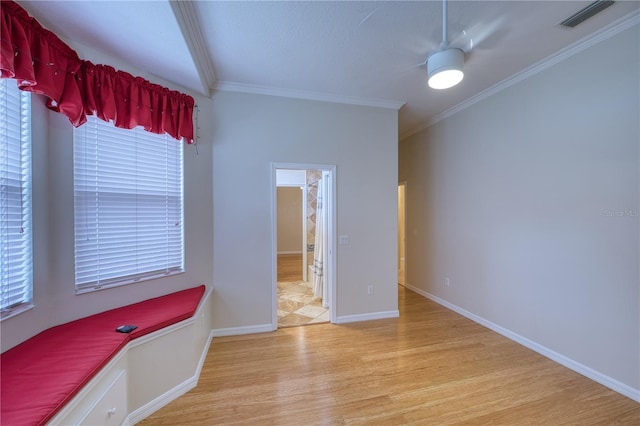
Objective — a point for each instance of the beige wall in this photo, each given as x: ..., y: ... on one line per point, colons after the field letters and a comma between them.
x: 251, y: 132
x: 528, y: 201
x: 289, y: 211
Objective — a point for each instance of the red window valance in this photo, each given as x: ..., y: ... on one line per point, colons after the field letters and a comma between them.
x: 44, y: 64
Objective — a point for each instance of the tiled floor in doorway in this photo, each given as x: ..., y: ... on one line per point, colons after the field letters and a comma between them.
x: 297, y: 306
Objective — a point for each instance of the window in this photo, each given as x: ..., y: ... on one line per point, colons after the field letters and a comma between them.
x: 16, y: 258
x: 128, y: 205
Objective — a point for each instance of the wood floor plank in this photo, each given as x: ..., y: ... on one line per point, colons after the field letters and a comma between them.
x: 430, y: 366
x: 289, y: 267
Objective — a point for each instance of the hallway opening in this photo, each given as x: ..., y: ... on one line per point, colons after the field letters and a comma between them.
x: 402, y: 245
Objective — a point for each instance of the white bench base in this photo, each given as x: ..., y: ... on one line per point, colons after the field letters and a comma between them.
x: 145, y: 375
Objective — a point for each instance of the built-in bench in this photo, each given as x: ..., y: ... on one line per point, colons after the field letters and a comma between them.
x: 82, y: 364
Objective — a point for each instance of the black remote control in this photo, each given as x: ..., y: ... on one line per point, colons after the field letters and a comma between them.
x: 126, y: 328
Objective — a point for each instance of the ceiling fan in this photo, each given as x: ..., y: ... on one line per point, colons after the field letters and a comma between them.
x: 445, y: 61
x: 445, y: 65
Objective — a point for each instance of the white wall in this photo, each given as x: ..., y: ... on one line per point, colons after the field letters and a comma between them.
x: 251, y: 132
x: 528, y: 201
x: 54, y: 296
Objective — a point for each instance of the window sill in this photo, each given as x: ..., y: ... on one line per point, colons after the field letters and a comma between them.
x: 16, y: 311
x: 86, y: 290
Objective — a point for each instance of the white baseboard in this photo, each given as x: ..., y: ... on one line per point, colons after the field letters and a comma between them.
x: 367, y: 317
x: 236, y: 331
x: 203, y: 355
x: 589, y: 372
x: 154, y: 405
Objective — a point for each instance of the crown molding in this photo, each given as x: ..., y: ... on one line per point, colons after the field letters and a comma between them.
x: 187, y: 18
x: 228, y: 86
x: 610, y: 30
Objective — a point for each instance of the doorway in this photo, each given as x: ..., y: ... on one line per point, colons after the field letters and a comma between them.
x: 303, y: 218
x: 402, y: 245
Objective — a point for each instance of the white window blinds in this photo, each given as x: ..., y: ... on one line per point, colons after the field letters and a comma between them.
x: 128, y: 193
x: 16, y: 259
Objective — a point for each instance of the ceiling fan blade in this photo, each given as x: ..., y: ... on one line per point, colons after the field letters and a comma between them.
x: 479, y: 35
x: 366, y: 18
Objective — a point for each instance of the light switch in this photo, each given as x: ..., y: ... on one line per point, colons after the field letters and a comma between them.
x: 343, y: 240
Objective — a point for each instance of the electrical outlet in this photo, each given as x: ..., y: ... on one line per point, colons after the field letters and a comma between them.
x: 370, y: 290
x: 447, y: 282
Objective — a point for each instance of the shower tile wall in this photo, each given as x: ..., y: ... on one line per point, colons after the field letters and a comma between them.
x: 313, y: 176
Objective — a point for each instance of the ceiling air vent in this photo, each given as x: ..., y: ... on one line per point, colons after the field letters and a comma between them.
x: 586, y: 13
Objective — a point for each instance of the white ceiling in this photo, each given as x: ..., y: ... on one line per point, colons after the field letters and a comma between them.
x: 347, y: 51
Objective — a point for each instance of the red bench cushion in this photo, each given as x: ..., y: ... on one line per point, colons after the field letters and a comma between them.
x: 39, y: 376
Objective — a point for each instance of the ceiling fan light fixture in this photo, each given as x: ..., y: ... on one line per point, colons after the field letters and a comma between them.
x: 444, y: 68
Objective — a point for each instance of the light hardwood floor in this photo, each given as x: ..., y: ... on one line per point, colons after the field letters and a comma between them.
x: 289, y: 267
x: 431, y: 366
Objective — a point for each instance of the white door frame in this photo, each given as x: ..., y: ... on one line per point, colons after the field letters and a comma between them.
x: 331, y: 237
x: 305, y: 261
